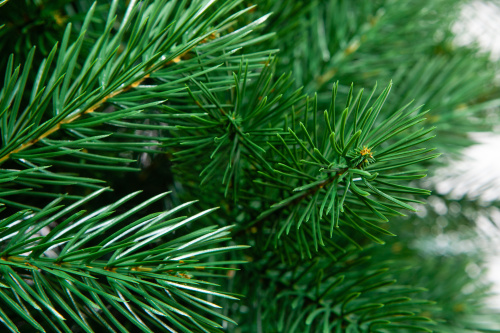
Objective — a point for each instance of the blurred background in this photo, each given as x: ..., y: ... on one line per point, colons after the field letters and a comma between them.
x: 476, y: 175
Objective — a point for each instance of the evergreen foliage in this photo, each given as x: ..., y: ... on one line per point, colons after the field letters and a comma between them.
x: 269, y: 181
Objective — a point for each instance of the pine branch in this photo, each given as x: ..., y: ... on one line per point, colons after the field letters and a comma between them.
x: 92, y: 266
x: 105, y: 78
x: 90, y: 109
x: 338, y: 170
x: 201, y: 79
x: 234, y: 132
x: 148, y: 66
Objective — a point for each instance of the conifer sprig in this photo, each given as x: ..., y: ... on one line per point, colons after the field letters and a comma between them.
x: 195, y: 94
x: 336, y: 170
x: 94, y: 267
x: 231, y: 132
x: 53, y: 121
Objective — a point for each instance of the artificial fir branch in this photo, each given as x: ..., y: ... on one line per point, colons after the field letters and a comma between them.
x: 97, y: 270
x: 226, y: 114
x: 340, y: 146
x: 88, y: 110
x: 141, y: 60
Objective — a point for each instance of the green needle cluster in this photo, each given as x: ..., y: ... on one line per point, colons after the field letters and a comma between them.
x: 276, y: 195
